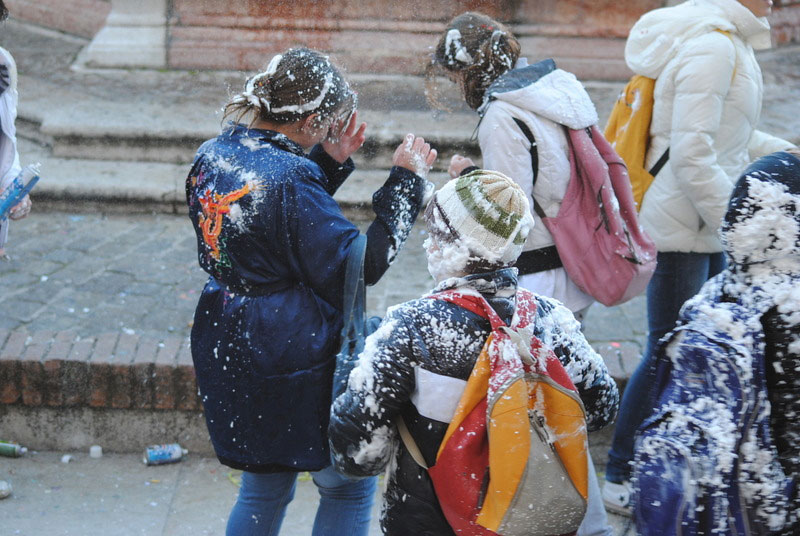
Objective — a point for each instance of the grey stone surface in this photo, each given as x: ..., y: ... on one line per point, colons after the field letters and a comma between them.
x: 118, y: 495
x: 138, y: 272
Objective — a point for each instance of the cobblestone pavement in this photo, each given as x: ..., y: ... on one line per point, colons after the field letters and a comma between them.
x: 93, y: 273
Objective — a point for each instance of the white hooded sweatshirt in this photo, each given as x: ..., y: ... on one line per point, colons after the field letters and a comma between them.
x: 9, y: 158
x: 707, y: 104
x: 546, y: 99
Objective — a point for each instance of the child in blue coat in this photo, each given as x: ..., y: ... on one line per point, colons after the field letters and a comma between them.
x: 275, y: 244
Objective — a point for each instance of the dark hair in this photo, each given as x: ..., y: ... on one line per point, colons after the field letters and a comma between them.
x: 296, y: 84
x: 476, y: 48
x: 3, y: 11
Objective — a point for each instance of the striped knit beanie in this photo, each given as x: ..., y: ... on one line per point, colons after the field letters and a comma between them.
x: 485, y: 211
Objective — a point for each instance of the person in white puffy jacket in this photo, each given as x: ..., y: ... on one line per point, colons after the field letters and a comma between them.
x: 511, y: 96
x: 707, y: 103
x: 9, y: 158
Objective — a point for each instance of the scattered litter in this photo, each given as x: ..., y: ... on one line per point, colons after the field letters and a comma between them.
x: 11, y: 450
x: 66, y: 458
x: 235, y: 477
x: 161, y: 454
x: 128, y: 331
x: 95, y: 451
x: 5, y: 489
x: 43, y: 278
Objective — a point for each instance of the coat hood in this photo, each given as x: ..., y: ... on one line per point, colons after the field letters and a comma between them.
x: 545, y: 90
x: 657, y: 37
x: 762, y: 223
x: 761, y: 235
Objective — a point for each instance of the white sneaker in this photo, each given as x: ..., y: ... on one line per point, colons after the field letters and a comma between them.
x: 617, y: 497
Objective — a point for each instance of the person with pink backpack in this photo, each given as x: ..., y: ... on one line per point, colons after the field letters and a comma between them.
x: 538, y: 127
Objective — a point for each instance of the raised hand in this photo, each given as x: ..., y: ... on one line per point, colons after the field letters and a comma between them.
x: 458, y: 164
x: 21, y: 209
x: 349, y: 139
x: 415, y: 155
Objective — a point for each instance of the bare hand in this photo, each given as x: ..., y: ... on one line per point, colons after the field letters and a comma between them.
x: 415, y: 155
x: 458, y: 164
x: 352, y: 137
x: 21, y: 209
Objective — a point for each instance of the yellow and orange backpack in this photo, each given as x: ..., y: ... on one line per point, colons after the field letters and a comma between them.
x: 514, y: 459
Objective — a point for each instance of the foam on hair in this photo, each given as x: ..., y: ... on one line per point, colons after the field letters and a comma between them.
x: 477, y: 49
x: 296, y: 84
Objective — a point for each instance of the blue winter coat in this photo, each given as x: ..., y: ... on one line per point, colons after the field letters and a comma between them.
x: 267, y: 325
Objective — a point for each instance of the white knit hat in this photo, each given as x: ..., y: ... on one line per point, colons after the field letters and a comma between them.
x: 485, y: 211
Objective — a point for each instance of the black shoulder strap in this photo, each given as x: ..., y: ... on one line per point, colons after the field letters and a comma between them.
x: 354, y: 291
x: 660, y: 164
x: 534, y: 160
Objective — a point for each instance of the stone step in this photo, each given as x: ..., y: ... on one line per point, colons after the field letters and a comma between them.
x: 154, y: 131
x: 157, y: 186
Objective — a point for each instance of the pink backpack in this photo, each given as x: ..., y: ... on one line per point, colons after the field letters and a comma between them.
x: 597, y: 233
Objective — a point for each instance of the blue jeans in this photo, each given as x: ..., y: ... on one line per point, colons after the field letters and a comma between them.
x: 678, y: 277
x: 344, y: 508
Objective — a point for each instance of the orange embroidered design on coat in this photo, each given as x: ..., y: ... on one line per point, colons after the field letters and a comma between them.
x: 215, y: 206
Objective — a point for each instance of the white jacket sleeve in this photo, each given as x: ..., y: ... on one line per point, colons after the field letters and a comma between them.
x: 505, y: 148
x: 702, y: 81
x: 762, y: 144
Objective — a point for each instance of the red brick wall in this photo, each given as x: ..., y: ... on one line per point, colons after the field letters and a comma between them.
x: 378, y: 36
x: 79, y: 17
x: 785, y: 22
x: 394, y: 37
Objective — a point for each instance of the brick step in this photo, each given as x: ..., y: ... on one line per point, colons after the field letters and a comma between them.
x: 62, y: 392
x: 110, y: 370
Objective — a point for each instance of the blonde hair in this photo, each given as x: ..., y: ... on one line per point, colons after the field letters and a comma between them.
x: 478, y: 50
x: 795, y: 151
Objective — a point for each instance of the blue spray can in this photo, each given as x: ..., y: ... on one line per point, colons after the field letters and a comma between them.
x: 161, y: 454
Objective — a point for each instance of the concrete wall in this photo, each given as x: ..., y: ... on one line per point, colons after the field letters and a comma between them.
x: 79, y: 17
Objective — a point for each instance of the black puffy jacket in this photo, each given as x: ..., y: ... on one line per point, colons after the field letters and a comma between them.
x: 416, y: 365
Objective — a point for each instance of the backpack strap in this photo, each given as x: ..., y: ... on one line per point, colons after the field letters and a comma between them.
x: 354, y: 327
x: 660, y: 164
x: 354, y: 291
x: 408, y: 441
x: 542, y: 259
x: 472, y: 303
x: 534, y: 150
